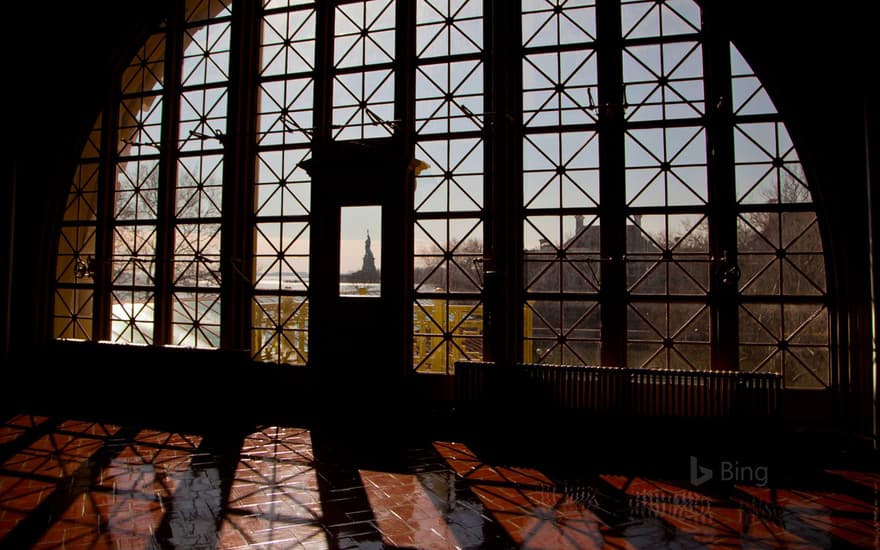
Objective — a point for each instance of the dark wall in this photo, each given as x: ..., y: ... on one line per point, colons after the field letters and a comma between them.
x: 815, y: 63
x: 61, y: 56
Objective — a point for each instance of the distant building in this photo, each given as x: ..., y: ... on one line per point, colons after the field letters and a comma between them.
x: 579, y: 258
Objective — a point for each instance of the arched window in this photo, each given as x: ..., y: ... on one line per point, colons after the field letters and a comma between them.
x: 614, y: 165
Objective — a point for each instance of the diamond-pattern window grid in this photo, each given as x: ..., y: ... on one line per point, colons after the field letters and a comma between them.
x: 283, y: 187
x: 137, y: 190
x: 446, y: 28
x: 659, y: 18
x: 76, y: 253
x: 146, y: 72
x: 666, y: 167
x: 282, y: 256
x: 449, y: 194
x: 73, y: 313
x: 279, y: 324
x: 288, y: 43
x: 663, y: 81
x: 791, y: 339
x: 363, y: 104
x: 203, y: 119
x: 768, y: 170
x: 561, y: 170
x: 448, y: 254
x: 134, y: 255
x: 449, y: 97
x: 133, y: 266
x: 196, y: 319
x: 668, y: 335
x: 749, y: 96
x: 280, y: 329
x: 195, y: 303
x: 131, y: 319
x: 557, y: 22
x: 76, y: 246
x: 562, y: 332
x: 562, y: 254
x: 199, y: 187
x: 197, y: 255
x: 668, y: 254
x: 203, y: 10
x: 206, y: 55
x: 780, y: 248
x: 780, y: 254
x: 364, y: 33
x: 560, y: 88
x: 286, y: 110
x: 778, y: 236
x: 446, y: 331
x: 453, y: 181
x: 82, y: 200
x: 140, y: 126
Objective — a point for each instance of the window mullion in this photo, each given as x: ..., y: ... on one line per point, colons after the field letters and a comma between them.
x: 238, y: 178
x: 503, y: 244
x: 723, y: 292
x: 167, y: 180
x: 101, y: 328
x: 323, y: 102
x: 612, y: 207
x: 405, y: 112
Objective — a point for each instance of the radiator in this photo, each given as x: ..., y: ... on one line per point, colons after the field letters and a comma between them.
x: 613, y: 391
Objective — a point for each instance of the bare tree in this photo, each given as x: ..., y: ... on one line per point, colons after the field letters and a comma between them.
x: 462, y: 273
x: 195, y: 225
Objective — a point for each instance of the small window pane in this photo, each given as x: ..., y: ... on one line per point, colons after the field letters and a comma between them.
x: 360, y: 251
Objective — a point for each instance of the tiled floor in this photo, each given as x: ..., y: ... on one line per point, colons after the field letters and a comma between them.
x: 70, y: 483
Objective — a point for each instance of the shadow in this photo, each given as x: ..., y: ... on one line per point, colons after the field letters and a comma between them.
x: 81, y: 483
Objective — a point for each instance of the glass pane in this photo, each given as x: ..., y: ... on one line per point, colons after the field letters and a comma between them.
x: 288, y: 42
x: 446, y: 331
x: 364, y: 33
x: 73, y: 313
x: 651, y: 19
x: 551, y: 23
x: 279, y: 329
x: 448, y: 28
x: 561, y: 332
x: 360, y: 250
x: 196, y: 320
x: 282, y: 256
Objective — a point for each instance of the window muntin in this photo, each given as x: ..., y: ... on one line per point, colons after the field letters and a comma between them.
x: 282, y: 188
x: 669, y: 267
x: 196, y: 276
x: 783, y: 315
x: 135, y: 217
x: 449, y: 201
x: 363, y: 63
x: 560, y: 178
x: 76, y: 260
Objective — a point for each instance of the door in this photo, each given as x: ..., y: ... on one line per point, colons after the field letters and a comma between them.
x: 358, y: 320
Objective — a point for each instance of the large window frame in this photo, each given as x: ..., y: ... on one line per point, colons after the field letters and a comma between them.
x: 745, y: 290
